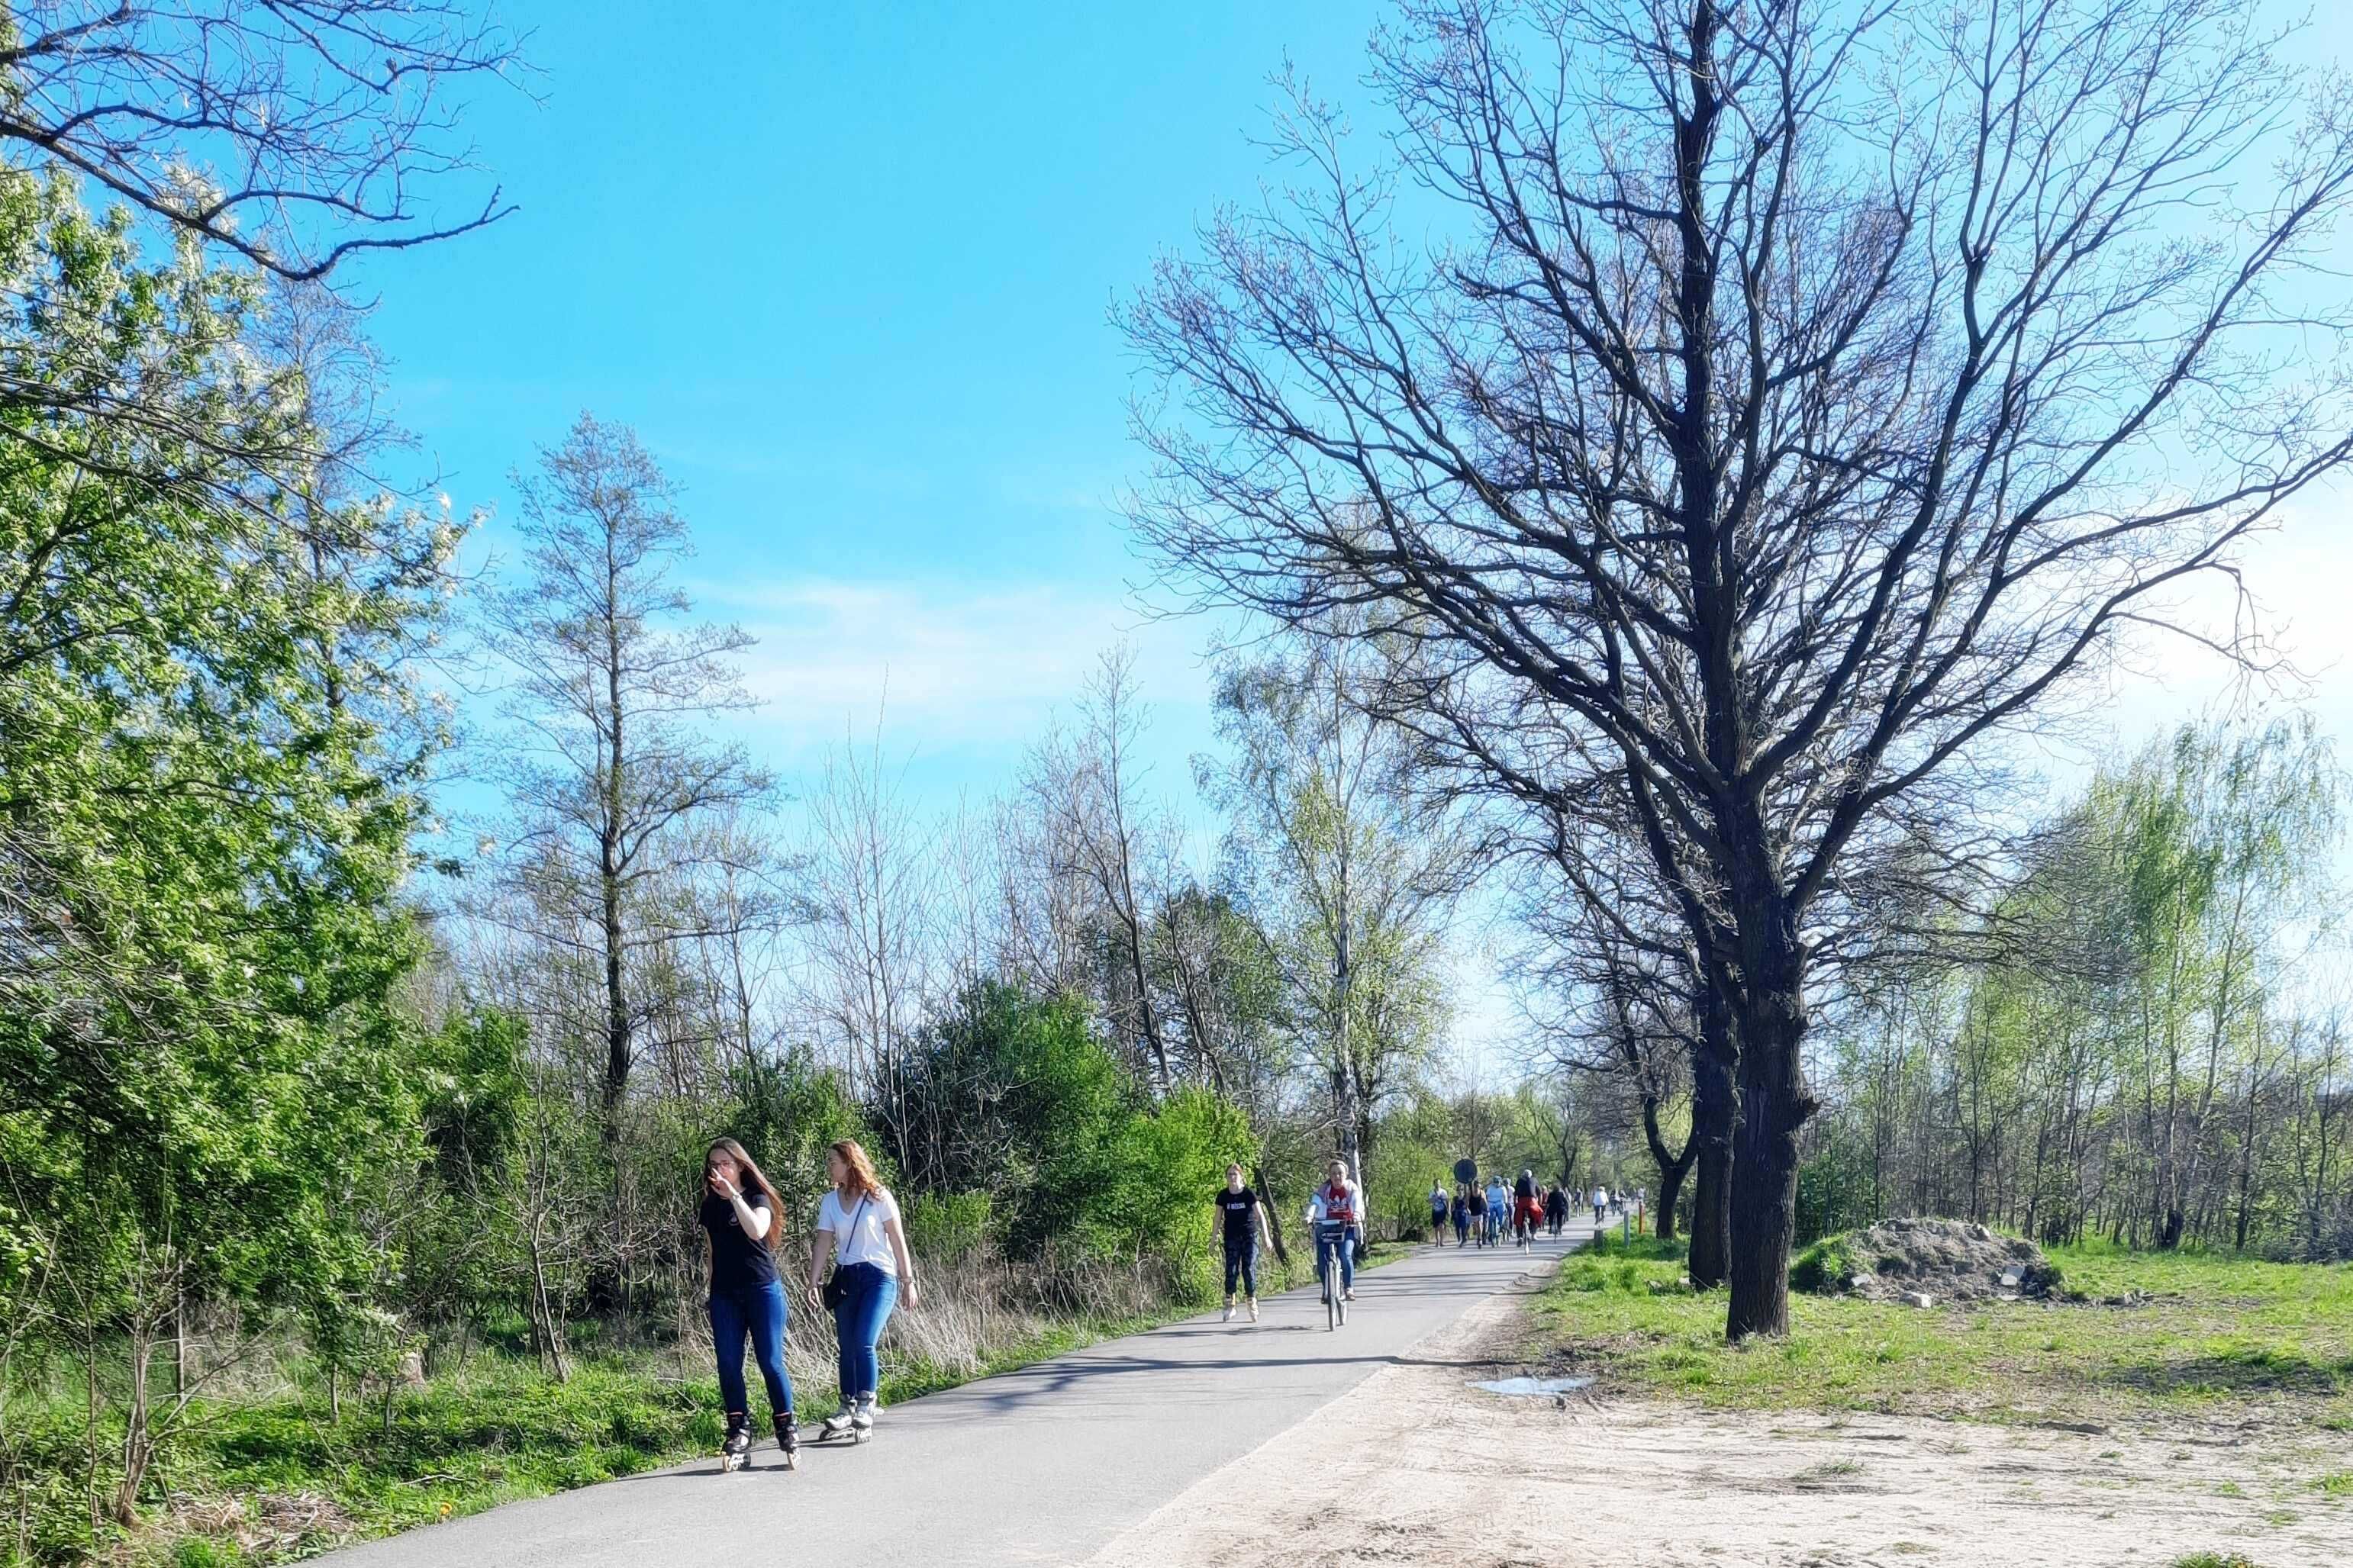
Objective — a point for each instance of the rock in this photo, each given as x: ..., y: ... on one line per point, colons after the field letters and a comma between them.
x: 412, y: 1370
x: 1920, y: 1298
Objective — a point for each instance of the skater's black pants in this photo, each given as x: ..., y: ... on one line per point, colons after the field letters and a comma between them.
x: 1241, y: 1264
x: 756, y: 1313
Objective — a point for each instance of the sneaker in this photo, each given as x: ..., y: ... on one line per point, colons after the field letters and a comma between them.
x: 1347, y: 1295
x: 1229, y: 1313
x: 1253, y: 1309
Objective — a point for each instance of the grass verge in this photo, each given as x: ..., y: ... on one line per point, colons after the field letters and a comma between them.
x: 2201, y: 1335
x: 256, y: 1481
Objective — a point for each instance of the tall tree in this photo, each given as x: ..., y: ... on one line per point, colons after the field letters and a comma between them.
x: 611, y: 685
x: 1349, y: 873
x: 1808, y: 396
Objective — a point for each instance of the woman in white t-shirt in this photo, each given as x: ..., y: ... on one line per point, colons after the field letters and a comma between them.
x: 858, y: 1227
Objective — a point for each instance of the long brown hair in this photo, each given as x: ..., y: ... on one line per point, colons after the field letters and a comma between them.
x: 749, y: 1175
x: 863, y: 1182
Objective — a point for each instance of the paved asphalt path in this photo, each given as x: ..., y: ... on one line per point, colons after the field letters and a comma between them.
x: 1040, y: 1465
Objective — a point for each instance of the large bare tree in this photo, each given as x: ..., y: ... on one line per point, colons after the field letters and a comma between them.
x: 1805, y: 394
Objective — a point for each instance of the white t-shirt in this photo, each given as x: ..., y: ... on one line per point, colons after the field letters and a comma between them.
x: 870, y: 1242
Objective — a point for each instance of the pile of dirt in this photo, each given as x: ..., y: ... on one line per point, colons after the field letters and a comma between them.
x: 1930, y: 1262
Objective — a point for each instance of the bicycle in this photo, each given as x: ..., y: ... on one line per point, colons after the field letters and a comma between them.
x: 1330, y: 1236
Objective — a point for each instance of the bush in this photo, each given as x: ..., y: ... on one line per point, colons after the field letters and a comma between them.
x: 949, y: 1227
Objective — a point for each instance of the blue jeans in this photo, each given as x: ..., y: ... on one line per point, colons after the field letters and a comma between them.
x: 755, y: 1313
x: 868, y: 1294
x: 1241, y: 1264
x: 1329, y: 1239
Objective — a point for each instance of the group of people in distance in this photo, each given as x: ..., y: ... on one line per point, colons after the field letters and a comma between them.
x: 859, y: 1232
x: 1480, y: 1215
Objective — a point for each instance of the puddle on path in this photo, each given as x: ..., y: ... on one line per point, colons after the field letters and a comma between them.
x: 1533, y: 1387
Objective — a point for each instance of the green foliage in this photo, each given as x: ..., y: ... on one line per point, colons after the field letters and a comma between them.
x: 1011, y: 1111
x: 946, y: 1227
x: 1833, y: 1191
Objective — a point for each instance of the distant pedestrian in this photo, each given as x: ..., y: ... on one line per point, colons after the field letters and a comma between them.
x: 1479, y: 1212
x: 1461, y: 1218
x: 1437, y: 1213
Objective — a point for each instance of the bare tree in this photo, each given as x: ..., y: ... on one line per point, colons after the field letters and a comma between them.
x: 1811, y: 395
x: 610, y: 770
x: 872, y: 879
x: 1103, y: 834
x: 294, y: 132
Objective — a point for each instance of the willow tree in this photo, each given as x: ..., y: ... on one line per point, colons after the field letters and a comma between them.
x: 1793, y: 397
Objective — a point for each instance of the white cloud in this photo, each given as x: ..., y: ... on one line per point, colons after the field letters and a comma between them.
x: 947, y: 665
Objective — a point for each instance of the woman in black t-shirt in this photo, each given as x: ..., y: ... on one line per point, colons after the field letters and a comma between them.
x: 1240, y: 1219
x: 740, y: 1211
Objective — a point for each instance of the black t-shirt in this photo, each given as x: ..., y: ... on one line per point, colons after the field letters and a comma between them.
x: 1478, y: 1201
x: 1237, y: 1207
x: 737, y: 1260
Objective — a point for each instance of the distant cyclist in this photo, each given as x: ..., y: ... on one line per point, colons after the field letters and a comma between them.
x: 1244, y: 1221
x: 1556, y: 1208
x: 1600, y: 1205
x: 1526, y: 1212
x: 1499, y: 1208
x: 1335, y: 1211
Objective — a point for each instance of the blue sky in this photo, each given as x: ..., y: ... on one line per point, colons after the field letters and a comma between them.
x: 850, y: 274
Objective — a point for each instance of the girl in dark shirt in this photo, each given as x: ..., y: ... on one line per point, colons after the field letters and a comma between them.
x: 740, y: 1211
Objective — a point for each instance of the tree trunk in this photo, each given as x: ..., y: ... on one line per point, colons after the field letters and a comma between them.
x: 1714, y: 1114
x: 1765, y: 1167
x: 1671, y: 1167
x: 1273, y: 1214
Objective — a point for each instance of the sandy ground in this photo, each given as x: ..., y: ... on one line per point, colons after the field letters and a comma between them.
x: 1386, y: 1476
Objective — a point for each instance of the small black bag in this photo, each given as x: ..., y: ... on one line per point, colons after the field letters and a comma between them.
x: 834, y: 1290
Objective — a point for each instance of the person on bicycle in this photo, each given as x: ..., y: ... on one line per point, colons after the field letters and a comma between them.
x: 1499, y: 1200
x: 1526, y: 1213
x: 1556, y: 1208
x: 1244, y: 1222
x: 1335, y: 1212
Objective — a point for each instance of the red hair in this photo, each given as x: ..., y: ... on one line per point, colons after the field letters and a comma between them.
x: 863, y: 1182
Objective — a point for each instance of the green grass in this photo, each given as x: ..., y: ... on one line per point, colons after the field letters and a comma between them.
x: 2218, y: 1335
